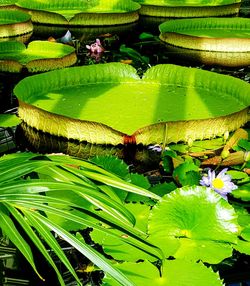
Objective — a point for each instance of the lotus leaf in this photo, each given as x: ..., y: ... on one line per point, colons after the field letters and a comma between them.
x: 189, y: 8
x: 84, y: 12
x: 14, y: 23
x: 223, y: 41
x: 110, y: 104
x: 174, y: 273
x: 38, y: 56
x: 204, y: 224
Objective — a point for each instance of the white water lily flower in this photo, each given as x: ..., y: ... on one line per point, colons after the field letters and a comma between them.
x: 221, y: 183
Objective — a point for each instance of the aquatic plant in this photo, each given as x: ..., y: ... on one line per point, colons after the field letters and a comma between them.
x: 38, y: 56
x: 221, y: 182
x: 82, y: 13
x: 190, y: 8
x: 14, y: 24
x: 37, y: 190
x: 213, y: 41
x: 84, y: 113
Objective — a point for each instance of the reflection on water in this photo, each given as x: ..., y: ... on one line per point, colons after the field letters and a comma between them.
x: 140, y: 157
x: 82, y: 33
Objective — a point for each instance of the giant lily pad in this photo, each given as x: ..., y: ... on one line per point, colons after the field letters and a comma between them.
x: 109, y: 103
x: 82, y: 12
x: 223, y: 41
x: 14, y: 23
x: 7, y: 4
x: 38, y: 56
x: 188, y: 8
x: 201, y: 221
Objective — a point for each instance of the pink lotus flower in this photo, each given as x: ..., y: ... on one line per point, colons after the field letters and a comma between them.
x: 95, y: 48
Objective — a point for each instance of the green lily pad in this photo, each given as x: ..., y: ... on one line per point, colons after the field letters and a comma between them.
x: 174, y: 273
x: 110, y: 104
x: 14, y: 24
x: 210, y: 40
x: 84, y: 12
x: 199, y: 219
x: 9, y: 120
x: 243, y: 192
x: 243, y: 246
x: 38, y: 56
x: 188, y: 8
x: 7, y: 4
x: 243, y: 216
x: 246, y: 233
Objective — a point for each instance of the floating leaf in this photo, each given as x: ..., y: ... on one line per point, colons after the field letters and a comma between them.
x: 187, y: 173
x: 113, y: 165
x: 38, y: 56
x: 194, y: 216
x: 246, y: 233
x: 204, y: 250
x: 46, y: 98
x: 243, y: 192
x: 241, y: 177
x: 82, y: 13
x: 14, y: 23
x: 243, y: 215
x: 243, y: 246
x: 175, y: 273
x: 207, y: 40
x: 188, y: 9
x: 163, y: 189
x: 9, y: 120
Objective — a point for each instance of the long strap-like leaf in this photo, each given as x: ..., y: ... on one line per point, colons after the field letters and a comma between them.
x: 36, y: 240
x: 86, y: 250
x: 8, y: 227
x: 134, y: 236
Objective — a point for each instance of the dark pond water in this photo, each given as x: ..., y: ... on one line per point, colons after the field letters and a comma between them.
x: 142, y: 159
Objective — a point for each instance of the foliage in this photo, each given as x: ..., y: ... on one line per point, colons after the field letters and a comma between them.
x: 27, y: 180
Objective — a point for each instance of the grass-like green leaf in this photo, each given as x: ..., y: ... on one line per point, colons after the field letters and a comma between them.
x: 8, y: 227
x: 36, y: 240
x: 86, y: 250
x: 51, y: 241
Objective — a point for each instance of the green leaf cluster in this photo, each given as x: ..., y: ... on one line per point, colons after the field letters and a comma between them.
x: 36, y: 188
